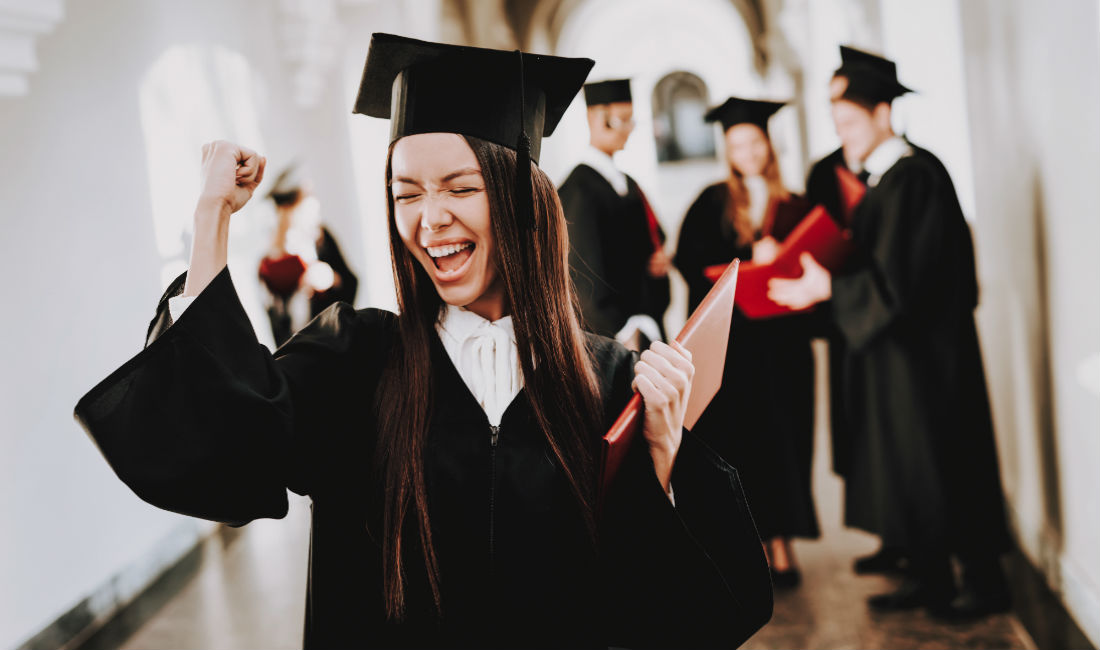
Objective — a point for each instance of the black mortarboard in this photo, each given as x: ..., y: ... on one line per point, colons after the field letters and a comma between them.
x: 607, y: 92
x: 871, y: 78
x: 736, y: 111
x: 513, y: 99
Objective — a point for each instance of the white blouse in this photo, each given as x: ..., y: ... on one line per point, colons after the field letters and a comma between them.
x: 757, y: 187
x: 485, y: 354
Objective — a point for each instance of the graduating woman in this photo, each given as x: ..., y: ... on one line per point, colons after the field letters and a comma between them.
x: 761, y: 421
x: 450, y: 450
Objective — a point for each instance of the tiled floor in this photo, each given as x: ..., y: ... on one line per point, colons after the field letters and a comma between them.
x: 829, y: 609
x: 250, y: 593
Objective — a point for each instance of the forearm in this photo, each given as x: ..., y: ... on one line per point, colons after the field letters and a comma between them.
x: 209, y: 249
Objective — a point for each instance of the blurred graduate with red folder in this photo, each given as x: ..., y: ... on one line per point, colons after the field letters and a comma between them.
x: 761, y: 421
x: 922, y: 468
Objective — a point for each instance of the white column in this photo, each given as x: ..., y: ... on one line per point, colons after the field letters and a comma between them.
x: 22, y: 22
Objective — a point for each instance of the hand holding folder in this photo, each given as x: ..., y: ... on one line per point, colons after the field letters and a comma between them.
x: 705, y: 335
x: 818, y: 234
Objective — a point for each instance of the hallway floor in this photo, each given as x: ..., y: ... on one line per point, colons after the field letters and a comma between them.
x: 250, y: 592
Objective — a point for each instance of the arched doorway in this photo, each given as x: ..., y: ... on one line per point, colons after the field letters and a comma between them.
x: 679, y: 131
x: 193, y: 94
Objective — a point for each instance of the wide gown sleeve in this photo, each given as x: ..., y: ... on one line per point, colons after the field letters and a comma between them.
x: 900, y: 258
x: 693, y: 575
x: 206, y: 422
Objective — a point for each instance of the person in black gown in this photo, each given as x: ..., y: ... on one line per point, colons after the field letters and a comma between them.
x: 617, y: 258
x: 823, y: 189
x: 922, y: 470
x: 761, y: 421
x: 449, y: 450
x: 304, y: 260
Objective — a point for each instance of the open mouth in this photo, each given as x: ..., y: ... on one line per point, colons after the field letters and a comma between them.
x: 450, y: 259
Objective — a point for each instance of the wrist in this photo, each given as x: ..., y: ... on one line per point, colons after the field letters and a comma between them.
x: 211, y: 211
x: 664, y: 457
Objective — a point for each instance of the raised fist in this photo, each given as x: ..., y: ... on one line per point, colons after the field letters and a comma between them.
x: 230, y: 173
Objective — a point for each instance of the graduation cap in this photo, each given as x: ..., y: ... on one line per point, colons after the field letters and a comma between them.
x: 607, y: 92
x: 288, y: 184
x: 513, y: 99
x: 872, y: 79
x: 736, y: 111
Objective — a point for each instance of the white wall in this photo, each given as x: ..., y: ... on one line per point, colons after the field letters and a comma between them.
x: 926, y: 41
x: 81, y: 275
x: 1033, y: 92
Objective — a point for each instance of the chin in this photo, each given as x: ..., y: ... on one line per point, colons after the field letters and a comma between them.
x: 460, y: 295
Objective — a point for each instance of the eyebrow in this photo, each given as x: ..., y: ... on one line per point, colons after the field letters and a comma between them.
x: 458, y: 173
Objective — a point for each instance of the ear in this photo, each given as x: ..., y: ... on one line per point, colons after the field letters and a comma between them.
x: 881, y: 116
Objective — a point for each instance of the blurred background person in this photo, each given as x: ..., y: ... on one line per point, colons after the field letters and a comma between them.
x: 762, y: 419
x: 617, y: 257
x: 303, y: 270
x: 923, y: 471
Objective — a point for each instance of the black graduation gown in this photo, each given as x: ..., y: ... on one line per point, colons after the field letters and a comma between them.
x: 822, y: 189
x: 328, y: 251
x: 761, y: 420
x: 206, y: 422
x: 923, y: 472
x: 609, y: 250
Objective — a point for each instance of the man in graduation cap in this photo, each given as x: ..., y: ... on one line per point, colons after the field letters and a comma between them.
x: 921, y: 463
x: 617, y: 257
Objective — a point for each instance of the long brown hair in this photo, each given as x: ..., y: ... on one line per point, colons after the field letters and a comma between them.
x: 558, y: 375
x: 737, y: 206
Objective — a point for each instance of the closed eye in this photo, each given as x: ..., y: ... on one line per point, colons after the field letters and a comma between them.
x: 460, y: 191
x: 405, y: 198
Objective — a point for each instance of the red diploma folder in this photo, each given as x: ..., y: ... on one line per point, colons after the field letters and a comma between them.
x: 705, y: 335
x: 818, y: 234
x: 784, y: 215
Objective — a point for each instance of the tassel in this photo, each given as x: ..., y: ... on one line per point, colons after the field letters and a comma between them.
x: 525, y: 208
x: 525, y: 203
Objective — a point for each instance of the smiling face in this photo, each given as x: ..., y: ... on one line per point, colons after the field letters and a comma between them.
x: 747, y: 149
x: 441, y: 210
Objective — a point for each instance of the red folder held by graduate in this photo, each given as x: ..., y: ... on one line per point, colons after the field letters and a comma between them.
x: 817, y: 234
x: 705, y: 335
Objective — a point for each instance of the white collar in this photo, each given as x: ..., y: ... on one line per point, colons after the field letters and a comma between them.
x: 605, y: 165
x: 461, y: 323
x: 485, y: 354
x: 885, y: 156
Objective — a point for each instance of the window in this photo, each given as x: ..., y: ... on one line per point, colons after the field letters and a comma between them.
x: 679, y: 103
